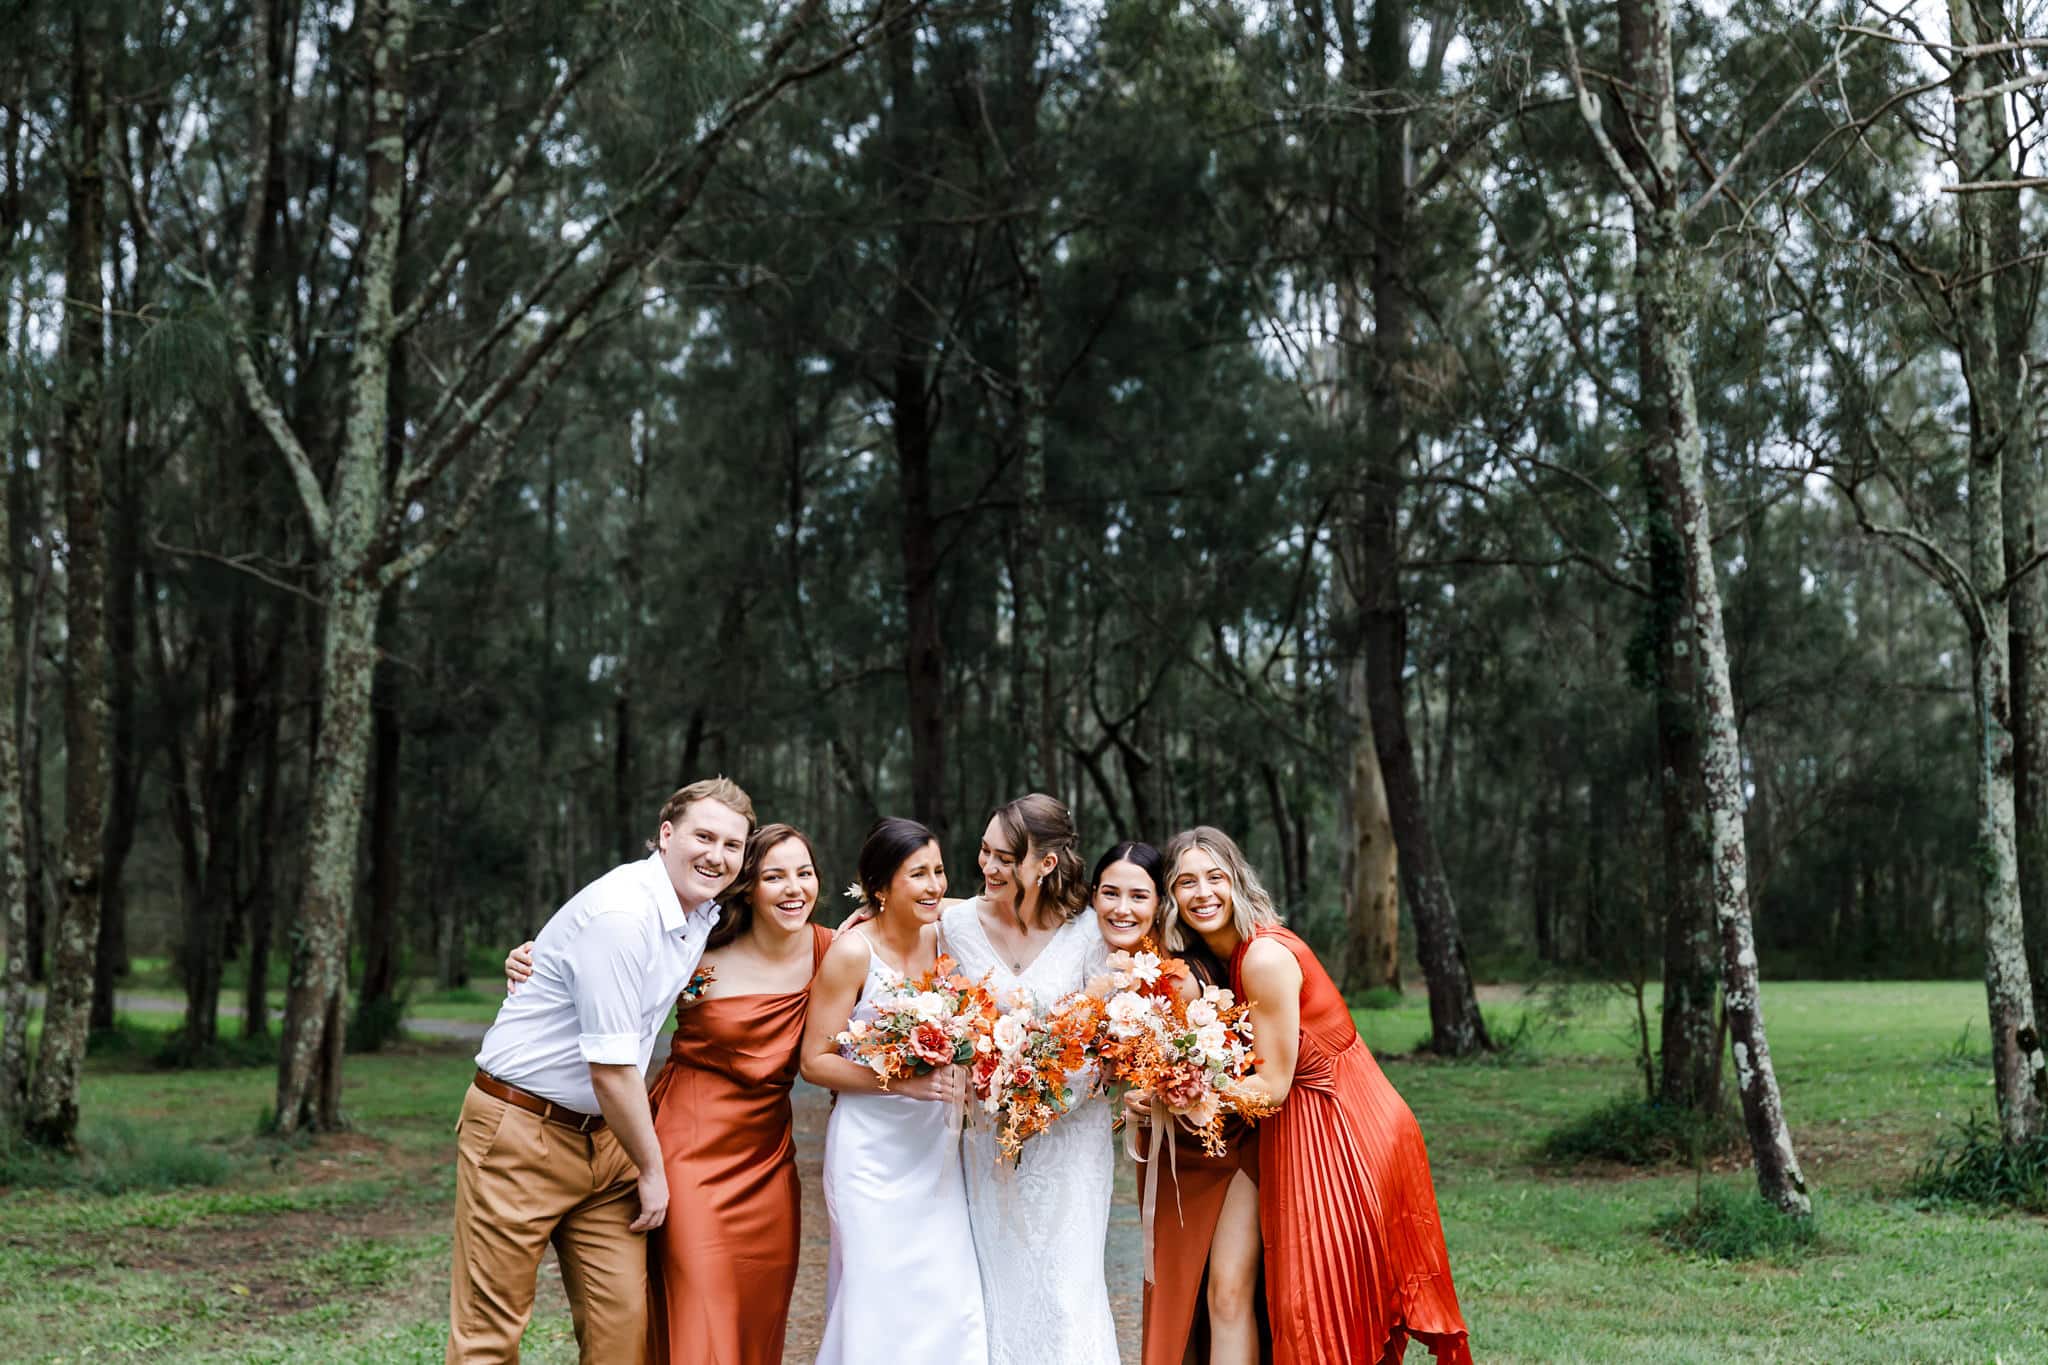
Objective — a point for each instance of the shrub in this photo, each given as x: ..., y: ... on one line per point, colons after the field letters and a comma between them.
x: 113, y: 1158
x: 175, y: 1053
x: 1974, y: 1165
x: 1638, y: 1132
x: 1726, y: 1226
x: 1378, y: 998
x: 377, y: 1023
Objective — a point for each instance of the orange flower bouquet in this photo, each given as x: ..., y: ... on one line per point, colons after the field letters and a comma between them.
x: 1025, y: 1066
x: 1191, y: 1054
x: 921, y: 1025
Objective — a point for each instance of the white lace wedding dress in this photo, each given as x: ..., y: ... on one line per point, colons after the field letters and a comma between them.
x: 1040, y: 1228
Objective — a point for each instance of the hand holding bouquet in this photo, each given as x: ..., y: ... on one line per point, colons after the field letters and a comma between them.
x: 1191, y: 1055
x: 921, y: 1025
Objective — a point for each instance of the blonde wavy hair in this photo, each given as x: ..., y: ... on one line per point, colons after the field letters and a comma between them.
x: 1251, y: 905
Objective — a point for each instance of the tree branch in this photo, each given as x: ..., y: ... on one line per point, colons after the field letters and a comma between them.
x: 1589, y: 112
x: 492, y: 199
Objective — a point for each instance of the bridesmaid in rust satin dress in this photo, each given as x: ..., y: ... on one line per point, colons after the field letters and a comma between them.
x: 1356, y: 1266
x: 724, y: 1263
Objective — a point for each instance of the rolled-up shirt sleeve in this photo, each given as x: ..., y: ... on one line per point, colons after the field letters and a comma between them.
x: 606, y: 966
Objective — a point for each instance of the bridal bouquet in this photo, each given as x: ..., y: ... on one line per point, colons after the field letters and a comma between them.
x: 1024, y: 1066
x: 921, y: 1025
x: 1190, y: 1054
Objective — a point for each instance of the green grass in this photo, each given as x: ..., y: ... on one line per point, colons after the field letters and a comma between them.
x: 1568, y: 1268
x: 336, y: 1250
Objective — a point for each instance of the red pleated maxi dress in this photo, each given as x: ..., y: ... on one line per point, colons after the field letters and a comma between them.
x: 1355, y: 1258
x: 724, y: 1263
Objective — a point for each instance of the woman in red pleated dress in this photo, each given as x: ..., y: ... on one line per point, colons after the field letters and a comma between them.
x: 725, y: 1261
x: 1355, y: 1262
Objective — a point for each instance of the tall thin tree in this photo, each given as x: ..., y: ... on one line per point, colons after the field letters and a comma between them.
x: 53, y: 1100
x: 1665, y: 303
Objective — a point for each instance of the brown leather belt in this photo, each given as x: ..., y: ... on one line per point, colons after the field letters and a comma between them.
x: 534, y: 1104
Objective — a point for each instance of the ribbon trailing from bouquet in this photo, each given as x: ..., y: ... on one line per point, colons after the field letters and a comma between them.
x: 1148, y: 1203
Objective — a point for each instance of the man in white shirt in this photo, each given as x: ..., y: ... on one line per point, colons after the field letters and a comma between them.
x: 556, y: 1144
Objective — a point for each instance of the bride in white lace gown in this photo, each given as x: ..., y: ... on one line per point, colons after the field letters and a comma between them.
x: 1040, y: 1228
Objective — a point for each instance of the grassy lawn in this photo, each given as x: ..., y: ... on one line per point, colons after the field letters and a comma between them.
x: 337, y: 1250
x: 477, y: 1002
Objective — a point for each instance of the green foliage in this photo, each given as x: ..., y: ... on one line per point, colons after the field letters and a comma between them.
x: 1972, y: 1164
x: 1737, y: 1225
x: 1637, y: 1132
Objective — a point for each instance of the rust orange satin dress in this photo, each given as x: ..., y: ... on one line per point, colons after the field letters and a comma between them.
x: 724, y: 1263
x: 1355, y: 1259
x: 1176, y: 1321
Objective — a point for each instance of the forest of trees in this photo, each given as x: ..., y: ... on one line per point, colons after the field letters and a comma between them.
x: 1561, y: 480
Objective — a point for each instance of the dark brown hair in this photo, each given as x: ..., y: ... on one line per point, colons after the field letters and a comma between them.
x: 892, y: 841
x: 736, y: 906
x: 1043, y: 823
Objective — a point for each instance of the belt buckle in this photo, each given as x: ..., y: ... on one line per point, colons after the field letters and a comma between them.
x: 584, y: 1122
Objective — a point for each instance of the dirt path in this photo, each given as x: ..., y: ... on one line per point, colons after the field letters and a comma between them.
x: 807, y: 1306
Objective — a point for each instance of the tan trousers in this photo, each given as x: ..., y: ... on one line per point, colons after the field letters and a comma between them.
x: 521, y: 1184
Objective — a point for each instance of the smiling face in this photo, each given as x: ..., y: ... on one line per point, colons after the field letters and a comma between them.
x: 786, y: 887
x: 1126, y: 905
x: 1201, y: 891
x: 919, y: 886
x: 702, y: 849
x: 998, y: 862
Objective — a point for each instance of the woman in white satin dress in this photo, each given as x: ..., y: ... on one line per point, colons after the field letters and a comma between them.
x: 902, y: 1286
x: 1040, y: 1228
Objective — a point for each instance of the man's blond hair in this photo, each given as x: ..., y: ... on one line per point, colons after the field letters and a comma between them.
x: 723, y: 790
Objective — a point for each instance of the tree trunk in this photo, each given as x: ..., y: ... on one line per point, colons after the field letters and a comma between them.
x: 625, y: 817
x: 1457, y: 1029
x: 320, y: 950
x: 309, y: 1065
x: 381, y: 948
x: 910, y: 406
x: 541, y: 883
x: 124, y: 780
x: 260, y: 908
x: 13, y: 855
x: 383, y: 951
x: 1372, y: 865
x: 53, y: 1102
x: 1663, y: 300
x: 1040, y: 733
x: 2016, y: 296
x: 2019, y: 1067
x: 1690, y: 1041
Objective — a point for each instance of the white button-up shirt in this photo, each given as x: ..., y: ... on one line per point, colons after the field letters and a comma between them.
x: 606, y: 972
